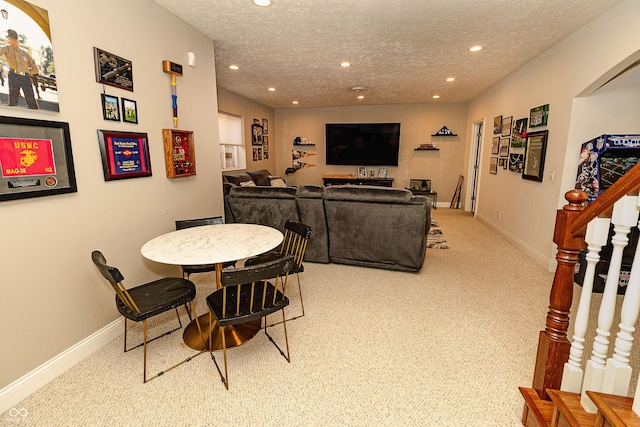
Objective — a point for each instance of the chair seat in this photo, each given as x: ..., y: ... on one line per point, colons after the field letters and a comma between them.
x: 158, y: 296
x: 272, y: 256
x: 245, y: 314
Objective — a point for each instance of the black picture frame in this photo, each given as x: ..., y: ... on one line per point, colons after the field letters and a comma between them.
x: 256, y: 134
x: 497, y: 125
x: 113, y: 70
x: 506, y: 126
x: 535, y: 151
x: 124, y: 154
x: 35, y: 158
x: 110, y: 107
x: 129, y: 110
x: 539, y: 116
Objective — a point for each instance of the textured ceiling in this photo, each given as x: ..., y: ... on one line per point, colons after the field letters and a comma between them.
x: 401, y: 51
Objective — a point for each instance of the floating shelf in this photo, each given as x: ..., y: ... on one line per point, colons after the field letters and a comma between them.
x: 304, y: 145
x: 426, y: 149
x: 444, y: 131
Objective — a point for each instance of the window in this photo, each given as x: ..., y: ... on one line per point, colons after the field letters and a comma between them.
x: 232, y: 152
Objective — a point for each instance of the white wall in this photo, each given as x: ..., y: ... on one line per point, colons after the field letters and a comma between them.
x: 598, y: 50
x: 418, y: 123
x: 52, y: 295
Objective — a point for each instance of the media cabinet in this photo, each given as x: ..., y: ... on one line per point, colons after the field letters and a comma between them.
x: 354, y: 180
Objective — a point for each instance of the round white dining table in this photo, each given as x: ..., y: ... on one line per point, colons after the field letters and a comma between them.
x: 213, y: 244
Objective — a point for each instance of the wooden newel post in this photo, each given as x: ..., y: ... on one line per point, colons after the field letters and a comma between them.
x: 553, y: 346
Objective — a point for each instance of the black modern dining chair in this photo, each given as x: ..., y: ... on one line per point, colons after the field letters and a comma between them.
x: 249, y: 294
x: 147, y: 300
x: 188, y: 270
x: 296, y: 237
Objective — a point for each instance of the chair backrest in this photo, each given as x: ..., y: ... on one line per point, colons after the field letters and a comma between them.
x: 113, y: 276
x: 188, y: 223
x: 296, y: 237
x: 278, y: 270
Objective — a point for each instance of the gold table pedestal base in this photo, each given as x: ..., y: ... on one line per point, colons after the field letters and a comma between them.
x: 235, y: 335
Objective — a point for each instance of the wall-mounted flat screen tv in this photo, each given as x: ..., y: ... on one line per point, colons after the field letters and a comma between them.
x: 363, y: 144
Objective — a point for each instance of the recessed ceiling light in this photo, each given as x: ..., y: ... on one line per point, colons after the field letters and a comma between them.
x: 234, y: 67
x: 262, y: 3
x: 345, y: 64
x: 295, y: 102
x: 475, y: 48
x: 272, y: 89
x: 451, y: 79
x: 436, y: 96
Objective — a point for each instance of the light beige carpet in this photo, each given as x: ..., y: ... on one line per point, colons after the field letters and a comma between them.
x: 448, y: 346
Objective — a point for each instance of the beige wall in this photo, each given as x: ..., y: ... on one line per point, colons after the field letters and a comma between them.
x: 52, y: 295
x: 231, y: 103
x: 418, y: 123
x: 557, y: 77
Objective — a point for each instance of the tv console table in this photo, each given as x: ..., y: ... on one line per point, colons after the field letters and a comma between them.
x: 337, y: 179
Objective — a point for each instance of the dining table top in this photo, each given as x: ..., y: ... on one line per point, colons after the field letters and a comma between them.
x: 211, y: 244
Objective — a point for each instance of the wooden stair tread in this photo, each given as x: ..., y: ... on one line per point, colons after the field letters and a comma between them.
x: 541, y: 410
x: 569, y: 406
x: 615, y: 409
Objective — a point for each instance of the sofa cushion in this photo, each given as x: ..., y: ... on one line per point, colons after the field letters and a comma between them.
x: 271, y: 206
x: 277, y: 181
x: 264, y: 192
x: 261, y: 177
x: 311, y: 209
x: 311, y: 192
x: 367, y: 193
x: 236, y: 178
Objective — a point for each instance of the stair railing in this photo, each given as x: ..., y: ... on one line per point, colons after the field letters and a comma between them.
x: 572, y: 233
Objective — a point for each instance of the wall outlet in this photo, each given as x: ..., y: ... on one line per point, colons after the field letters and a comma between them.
x: 498, y: 215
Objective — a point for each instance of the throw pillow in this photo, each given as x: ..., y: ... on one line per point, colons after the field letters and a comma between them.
x: 247, y: 184
x: 277, y: 181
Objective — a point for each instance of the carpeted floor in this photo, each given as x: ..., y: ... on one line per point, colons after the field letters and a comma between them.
x: 435, y: 238
x: 447, y: 346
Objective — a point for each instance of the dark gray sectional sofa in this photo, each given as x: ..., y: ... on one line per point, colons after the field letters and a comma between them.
x: 359, y: 225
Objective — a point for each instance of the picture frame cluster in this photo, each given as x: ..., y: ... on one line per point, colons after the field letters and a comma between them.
x: 517, y: 150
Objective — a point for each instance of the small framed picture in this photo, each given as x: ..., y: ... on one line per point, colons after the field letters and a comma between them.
x: 124, y: 154
x: 382, y: 173
x: 506, y: 126
x: 497, y: 125
x: 110, y: 107
x: 362, y: 171
x: 129, y: 111
x: 504, y: 147
x: 493, y: 166
x: 265, y: 127
x: 495, y: 145
x: 539, y: 116
x: 256, y: 134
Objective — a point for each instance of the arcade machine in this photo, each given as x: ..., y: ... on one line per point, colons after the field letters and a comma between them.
x: 603, y: 160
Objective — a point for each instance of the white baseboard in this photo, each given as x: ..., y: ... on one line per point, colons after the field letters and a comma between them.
x: 539, y: 258
x: 18, y: 390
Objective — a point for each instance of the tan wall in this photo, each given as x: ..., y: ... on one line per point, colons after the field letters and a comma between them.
x: 583, y: 60
x: 232, y: 103
x: 52, y: 295
x: 418, y: 123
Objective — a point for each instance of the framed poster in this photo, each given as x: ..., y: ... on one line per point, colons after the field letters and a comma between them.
x: 35, y: 158
x: 124, y: 154
x: 110, y: 108
x: 112, y: 70
x: 519, y: 133
x: 534, y: 155
x: 265, y: 126
x: 26, y: 27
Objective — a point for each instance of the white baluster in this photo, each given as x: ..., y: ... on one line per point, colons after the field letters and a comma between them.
x: 625, y: 216
x: 617, y: 375
x: 596, y: 237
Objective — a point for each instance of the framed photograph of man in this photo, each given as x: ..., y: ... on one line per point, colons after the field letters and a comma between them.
x: 129, y: 111
x: 27, y: 66
x: 110, y: 107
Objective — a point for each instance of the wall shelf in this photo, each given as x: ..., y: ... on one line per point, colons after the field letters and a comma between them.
x: 426, y: 149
